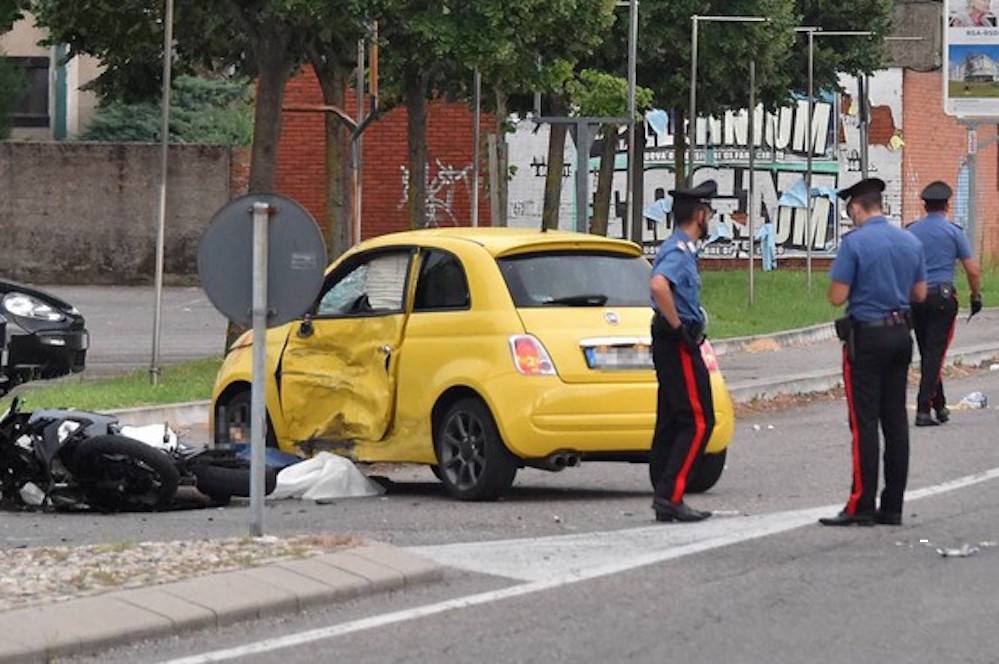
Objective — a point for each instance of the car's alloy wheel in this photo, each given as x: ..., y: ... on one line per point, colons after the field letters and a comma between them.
x: 706, y: 472
x: 473, y: 462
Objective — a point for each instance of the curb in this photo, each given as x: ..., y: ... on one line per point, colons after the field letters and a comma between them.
x: 823, y: 380
x: 43, y: 632
x: 800, y: 336
x: 176, y: 414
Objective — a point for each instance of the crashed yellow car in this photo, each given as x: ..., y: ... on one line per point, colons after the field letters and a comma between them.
x: 477, y: 351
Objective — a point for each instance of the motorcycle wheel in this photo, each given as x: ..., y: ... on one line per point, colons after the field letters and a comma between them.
x: 125, y: 475
x: 221, y: 478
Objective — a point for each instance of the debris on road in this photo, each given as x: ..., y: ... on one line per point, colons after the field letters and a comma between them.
x: 963, y: 551
x: 974, y: 400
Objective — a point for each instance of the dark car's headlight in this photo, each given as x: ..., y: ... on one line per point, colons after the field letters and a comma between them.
x: 28, y: 306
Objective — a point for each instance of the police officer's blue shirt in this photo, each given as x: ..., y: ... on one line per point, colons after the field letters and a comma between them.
x: 677, y: 261
x: 880, y: 263
x: 943, y: 244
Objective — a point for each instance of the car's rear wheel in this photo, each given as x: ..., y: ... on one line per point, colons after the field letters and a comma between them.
x: 706, y: 472
x: 473, y: 462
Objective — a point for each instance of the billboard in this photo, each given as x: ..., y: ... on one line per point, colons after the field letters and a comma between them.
x: 971, y: 58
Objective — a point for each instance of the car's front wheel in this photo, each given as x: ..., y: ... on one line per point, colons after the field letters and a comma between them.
x: 706, y: 472
x: 473, y: 462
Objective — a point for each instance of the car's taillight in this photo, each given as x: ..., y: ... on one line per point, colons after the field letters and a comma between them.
x: 708, y: 353
x: 530, y: 357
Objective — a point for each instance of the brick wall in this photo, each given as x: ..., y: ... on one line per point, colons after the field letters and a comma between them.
x: 301, y: 173
x: 935, y: 145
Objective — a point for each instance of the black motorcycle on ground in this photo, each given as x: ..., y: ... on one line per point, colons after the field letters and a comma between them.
x: 71, y: 460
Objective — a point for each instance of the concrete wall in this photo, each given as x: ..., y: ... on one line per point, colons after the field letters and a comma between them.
x: 88, y: 213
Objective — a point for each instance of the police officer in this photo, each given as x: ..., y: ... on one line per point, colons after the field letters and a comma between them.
x: 878, y: 270
x: 684, y: 410
x: 944, y: 243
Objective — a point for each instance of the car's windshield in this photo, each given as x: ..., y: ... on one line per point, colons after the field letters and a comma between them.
x: 577, y: 279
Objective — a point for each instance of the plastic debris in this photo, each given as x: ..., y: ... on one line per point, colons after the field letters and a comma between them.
x: 323, y: 478
x: 974, y: 400
x: 994, y: 367
x: 963, y: 551
x: 756, y: 427
x: 557, y: 518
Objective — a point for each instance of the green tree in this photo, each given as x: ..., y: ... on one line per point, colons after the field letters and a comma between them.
x: 599, y: 94
x: 526, y: 47
x: 260, y: 38
x: 207, y: 111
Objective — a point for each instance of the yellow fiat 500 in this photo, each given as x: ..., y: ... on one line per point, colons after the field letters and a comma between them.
x: 477, y: 351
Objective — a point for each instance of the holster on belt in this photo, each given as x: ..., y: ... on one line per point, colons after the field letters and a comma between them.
x: 691, y: 334
x: 846, y: 331
x: 939, y: 296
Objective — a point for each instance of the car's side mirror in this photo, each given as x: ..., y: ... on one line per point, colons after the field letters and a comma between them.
x: 306, y: 328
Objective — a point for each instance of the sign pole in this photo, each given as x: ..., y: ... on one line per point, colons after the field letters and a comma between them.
x: 258, y: 405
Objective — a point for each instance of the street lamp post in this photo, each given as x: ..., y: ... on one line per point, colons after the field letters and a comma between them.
x: 692, y: 119
x: 154, y: 365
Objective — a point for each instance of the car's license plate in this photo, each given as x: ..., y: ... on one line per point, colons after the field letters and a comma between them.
x: 632, y: 356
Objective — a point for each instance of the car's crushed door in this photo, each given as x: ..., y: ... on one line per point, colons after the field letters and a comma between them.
x: 338, y: 372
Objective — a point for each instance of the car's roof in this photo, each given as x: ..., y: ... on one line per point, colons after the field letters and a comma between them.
x: 504, y: 241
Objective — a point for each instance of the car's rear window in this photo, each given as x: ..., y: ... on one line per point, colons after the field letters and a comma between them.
x: 577, y: 278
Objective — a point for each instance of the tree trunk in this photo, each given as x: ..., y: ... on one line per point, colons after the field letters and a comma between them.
x: 556, y: 161
x: 417, y: 86
x: 637, y: 220
x: 502, y: 159
x: 339, y: 192
x: 679, y: 148
x: 274, y: 63
x: 605, y: 178
x: 274, y: 67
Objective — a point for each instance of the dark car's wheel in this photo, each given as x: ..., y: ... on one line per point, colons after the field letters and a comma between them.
x: 122, y: 474
x: 706, y: 472
x: 232, y: 423
x: 473, y: 462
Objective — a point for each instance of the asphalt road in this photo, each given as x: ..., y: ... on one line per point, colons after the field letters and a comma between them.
x: 759, y: 582
x: 120, y: 321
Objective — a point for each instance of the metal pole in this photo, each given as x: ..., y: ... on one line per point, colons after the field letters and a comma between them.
x: 809, y: 143
x: 972, y: 178
x: 752, y: 173
x: 862, y: 94
x: 476, y: 137
x: 632, y: 227
x: 692, y: 113
x: 258, y: 407
x: 582, y: 175
x: 357, y: 144
x: 836, y: 111
x: 154, y: 365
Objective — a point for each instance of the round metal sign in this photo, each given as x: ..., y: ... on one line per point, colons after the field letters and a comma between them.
x: 296, y: 259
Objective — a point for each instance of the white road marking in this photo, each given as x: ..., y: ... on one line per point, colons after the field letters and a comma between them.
x: 588, y: 556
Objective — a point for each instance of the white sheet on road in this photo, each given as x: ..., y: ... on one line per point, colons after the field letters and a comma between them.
x: 323, y: 477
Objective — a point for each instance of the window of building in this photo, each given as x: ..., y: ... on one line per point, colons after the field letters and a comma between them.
x: 33, y: 110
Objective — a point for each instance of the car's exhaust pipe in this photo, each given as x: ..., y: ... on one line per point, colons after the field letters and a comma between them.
x: 555, y: 461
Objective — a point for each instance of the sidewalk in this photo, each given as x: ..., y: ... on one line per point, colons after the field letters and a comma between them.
x: 763, y: 367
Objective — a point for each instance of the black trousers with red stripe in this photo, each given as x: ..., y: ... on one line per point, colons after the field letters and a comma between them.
x: 875, y: 382
x: 933, y: 321
x: 685, y: 414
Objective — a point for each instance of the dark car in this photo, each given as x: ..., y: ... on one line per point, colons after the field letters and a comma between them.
x: 45, y: 337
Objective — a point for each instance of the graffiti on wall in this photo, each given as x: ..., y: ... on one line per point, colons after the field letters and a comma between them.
x: 781, y: 142
x: 442, y: 181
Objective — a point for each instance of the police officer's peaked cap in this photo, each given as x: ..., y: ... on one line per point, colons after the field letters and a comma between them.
x: 865, y: 186
x: 702, y: 193
x: 937, y: 191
